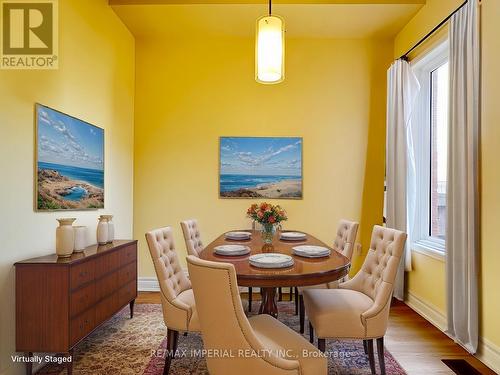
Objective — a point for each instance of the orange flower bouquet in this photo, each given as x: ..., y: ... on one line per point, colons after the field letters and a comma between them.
x: 269, y: 216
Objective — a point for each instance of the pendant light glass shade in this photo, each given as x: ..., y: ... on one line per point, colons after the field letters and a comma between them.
x: 270, y: 50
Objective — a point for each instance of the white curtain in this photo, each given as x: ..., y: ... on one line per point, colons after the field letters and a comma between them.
x: 402, y: 89
x: 462, y: 232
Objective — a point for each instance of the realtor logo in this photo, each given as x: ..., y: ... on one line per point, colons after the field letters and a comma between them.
x: 29, y: 38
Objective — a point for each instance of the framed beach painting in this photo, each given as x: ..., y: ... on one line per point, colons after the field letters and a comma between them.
x: 260, y: 167
x: 69, y: 162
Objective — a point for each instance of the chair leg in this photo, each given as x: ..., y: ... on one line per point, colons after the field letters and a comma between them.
x: 280, y: 294
x: 250, y: 299
x: 311, y: 333
x: 296, y: 292
x: 365, y: 346
x: 321, y: 345
x: 380, y: 353
x: 172, y: 337
x: 302, y: 314
x: 371, y: 356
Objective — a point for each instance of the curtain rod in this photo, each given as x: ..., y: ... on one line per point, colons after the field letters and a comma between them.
x: 405, y: 55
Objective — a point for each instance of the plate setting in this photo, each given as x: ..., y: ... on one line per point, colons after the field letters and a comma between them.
x: 271, y: 260
x: 309, y: 251
x: 231, y: 250
x: 293, y: 236
x: 238, y: 235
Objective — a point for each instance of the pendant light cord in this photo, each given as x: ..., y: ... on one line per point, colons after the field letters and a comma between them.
x: 270, y: 7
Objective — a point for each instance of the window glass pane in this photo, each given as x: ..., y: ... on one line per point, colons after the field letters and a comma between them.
x: 439, y: 150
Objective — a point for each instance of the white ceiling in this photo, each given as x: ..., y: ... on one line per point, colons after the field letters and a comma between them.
x: 302, y: 20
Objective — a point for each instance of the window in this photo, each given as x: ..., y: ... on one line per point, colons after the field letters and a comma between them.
x: 439, y: 151
x: 429, y: 131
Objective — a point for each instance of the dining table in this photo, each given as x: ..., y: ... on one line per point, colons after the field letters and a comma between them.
x: 303, y: 272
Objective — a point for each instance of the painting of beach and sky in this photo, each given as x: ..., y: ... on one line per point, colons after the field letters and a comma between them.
x: 260, y: 167
x: 70, y: 162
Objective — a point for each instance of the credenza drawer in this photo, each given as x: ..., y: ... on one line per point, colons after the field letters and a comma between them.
x: 82, y: 325
x: 127, y: 293
x: 107, y: 307
x: 81, y: 299
x: 82, y: 273
x: 107, y: 285
x: 127, y: 273
x: 108, y: 263
x: 127, y: 255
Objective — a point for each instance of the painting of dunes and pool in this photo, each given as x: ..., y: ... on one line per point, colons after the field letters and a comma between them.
x: 70, y: 162
x: 260, y: 167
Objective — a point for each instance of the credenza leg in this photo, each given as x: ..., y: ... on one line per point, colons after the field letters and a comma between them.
x: 69, y: 364
x: 29, y: 364
x: 132, y: 303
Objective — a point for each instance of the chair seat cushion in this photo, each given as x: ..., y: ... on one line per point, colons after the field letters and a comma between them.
x: 286, y: 343
x: 187, y: 297
x: 336, y: 312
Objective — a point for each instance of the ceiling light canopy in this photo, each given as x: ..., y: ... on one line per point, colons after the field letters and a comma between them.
x: 270, y: 49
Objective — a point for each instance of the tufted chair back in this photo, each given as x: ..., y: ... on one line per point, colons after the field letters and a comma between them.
x: 192, y: 237
x: 171, y: 277
x: 376, y: 277
x: 346, y: 237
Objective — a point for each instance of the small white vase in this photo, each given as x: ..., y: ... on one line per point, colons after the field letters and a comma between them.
x: 102, y: 231
x: 65, y: 237
x: 111, y: 227
x: 80, y: 238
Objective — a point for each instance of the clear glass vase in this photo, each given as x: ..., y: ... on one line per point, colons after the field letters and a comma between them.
x: 268, y: 231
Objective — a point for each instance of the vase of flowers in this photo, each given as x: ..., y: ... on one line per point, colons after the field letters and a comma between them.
x: 269, y: 217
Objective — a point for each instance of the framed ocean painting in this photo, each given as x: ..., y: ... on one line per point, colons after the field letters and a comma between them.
x: 260, y: 167
x: 69, y: 162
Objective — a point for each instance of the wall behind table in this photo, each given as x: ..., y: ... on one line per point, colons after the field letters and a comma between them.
x: 191, y: 91
x: 95, y: 82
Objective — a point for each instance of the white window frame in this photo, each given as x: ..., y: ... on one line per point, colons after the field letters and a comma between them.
x: 422, y: 242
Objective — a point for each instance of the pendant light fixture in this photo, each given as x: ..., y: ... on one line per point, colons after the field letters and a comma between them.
x: 270, y: 49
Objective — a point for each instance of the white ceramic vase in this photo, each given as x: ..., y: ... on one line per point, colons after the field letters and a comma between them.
x: 111, y: 227
x: 102, y: 231
x: 80, y: 238
x: 65, y: 237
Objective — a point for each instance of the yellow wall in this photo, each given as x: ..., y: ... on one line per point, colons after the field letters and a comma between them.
x: 95, y: 82
x: 191, y: 91
x: 427, y: 281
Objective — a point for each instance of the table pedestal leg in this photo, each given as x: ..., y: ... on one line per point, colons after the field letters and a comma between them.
x: 268, y: 304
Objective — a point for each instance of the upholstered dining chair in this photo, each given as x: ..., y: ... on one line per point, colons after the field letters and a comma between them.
x: 177, y: 298
x: 343, y: 243
x: 257, y: 345
x: 360, y: 305
x: 194, y: 246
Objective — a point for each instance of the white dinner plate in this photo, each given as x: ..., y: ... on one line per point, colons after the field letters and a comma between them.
x: 294, y: 236
x: 271, y: 260
x: 311, y: 251
x: 238, y: 235
x: 232, y: 250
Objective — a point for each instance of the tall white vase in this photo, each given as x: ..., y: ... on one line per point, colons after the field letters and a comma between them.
x: 111, y: 227
x: 65, y: 237
x: 102, y: 231
x: 80, y: 238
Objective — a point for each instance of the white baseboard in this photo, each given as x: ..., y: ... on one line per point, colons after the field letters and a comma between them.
x: 148, y: 284
x: 488, y: 352
x: 427, y: 310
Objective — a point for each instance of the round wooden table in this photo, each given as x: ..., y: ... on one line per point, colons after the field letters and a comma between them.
x: 304, y: 272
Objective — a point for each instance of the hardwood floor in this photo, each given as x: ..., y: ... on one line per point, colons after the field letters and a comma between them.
x: 415, y: 343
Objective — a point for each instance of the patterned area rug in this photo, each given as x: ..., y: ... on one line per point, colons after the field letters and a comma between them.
x: 136, y: 346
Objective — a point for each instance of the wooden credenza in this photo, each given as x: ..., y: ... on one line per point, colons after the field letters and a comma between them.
x: 60, y: 301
